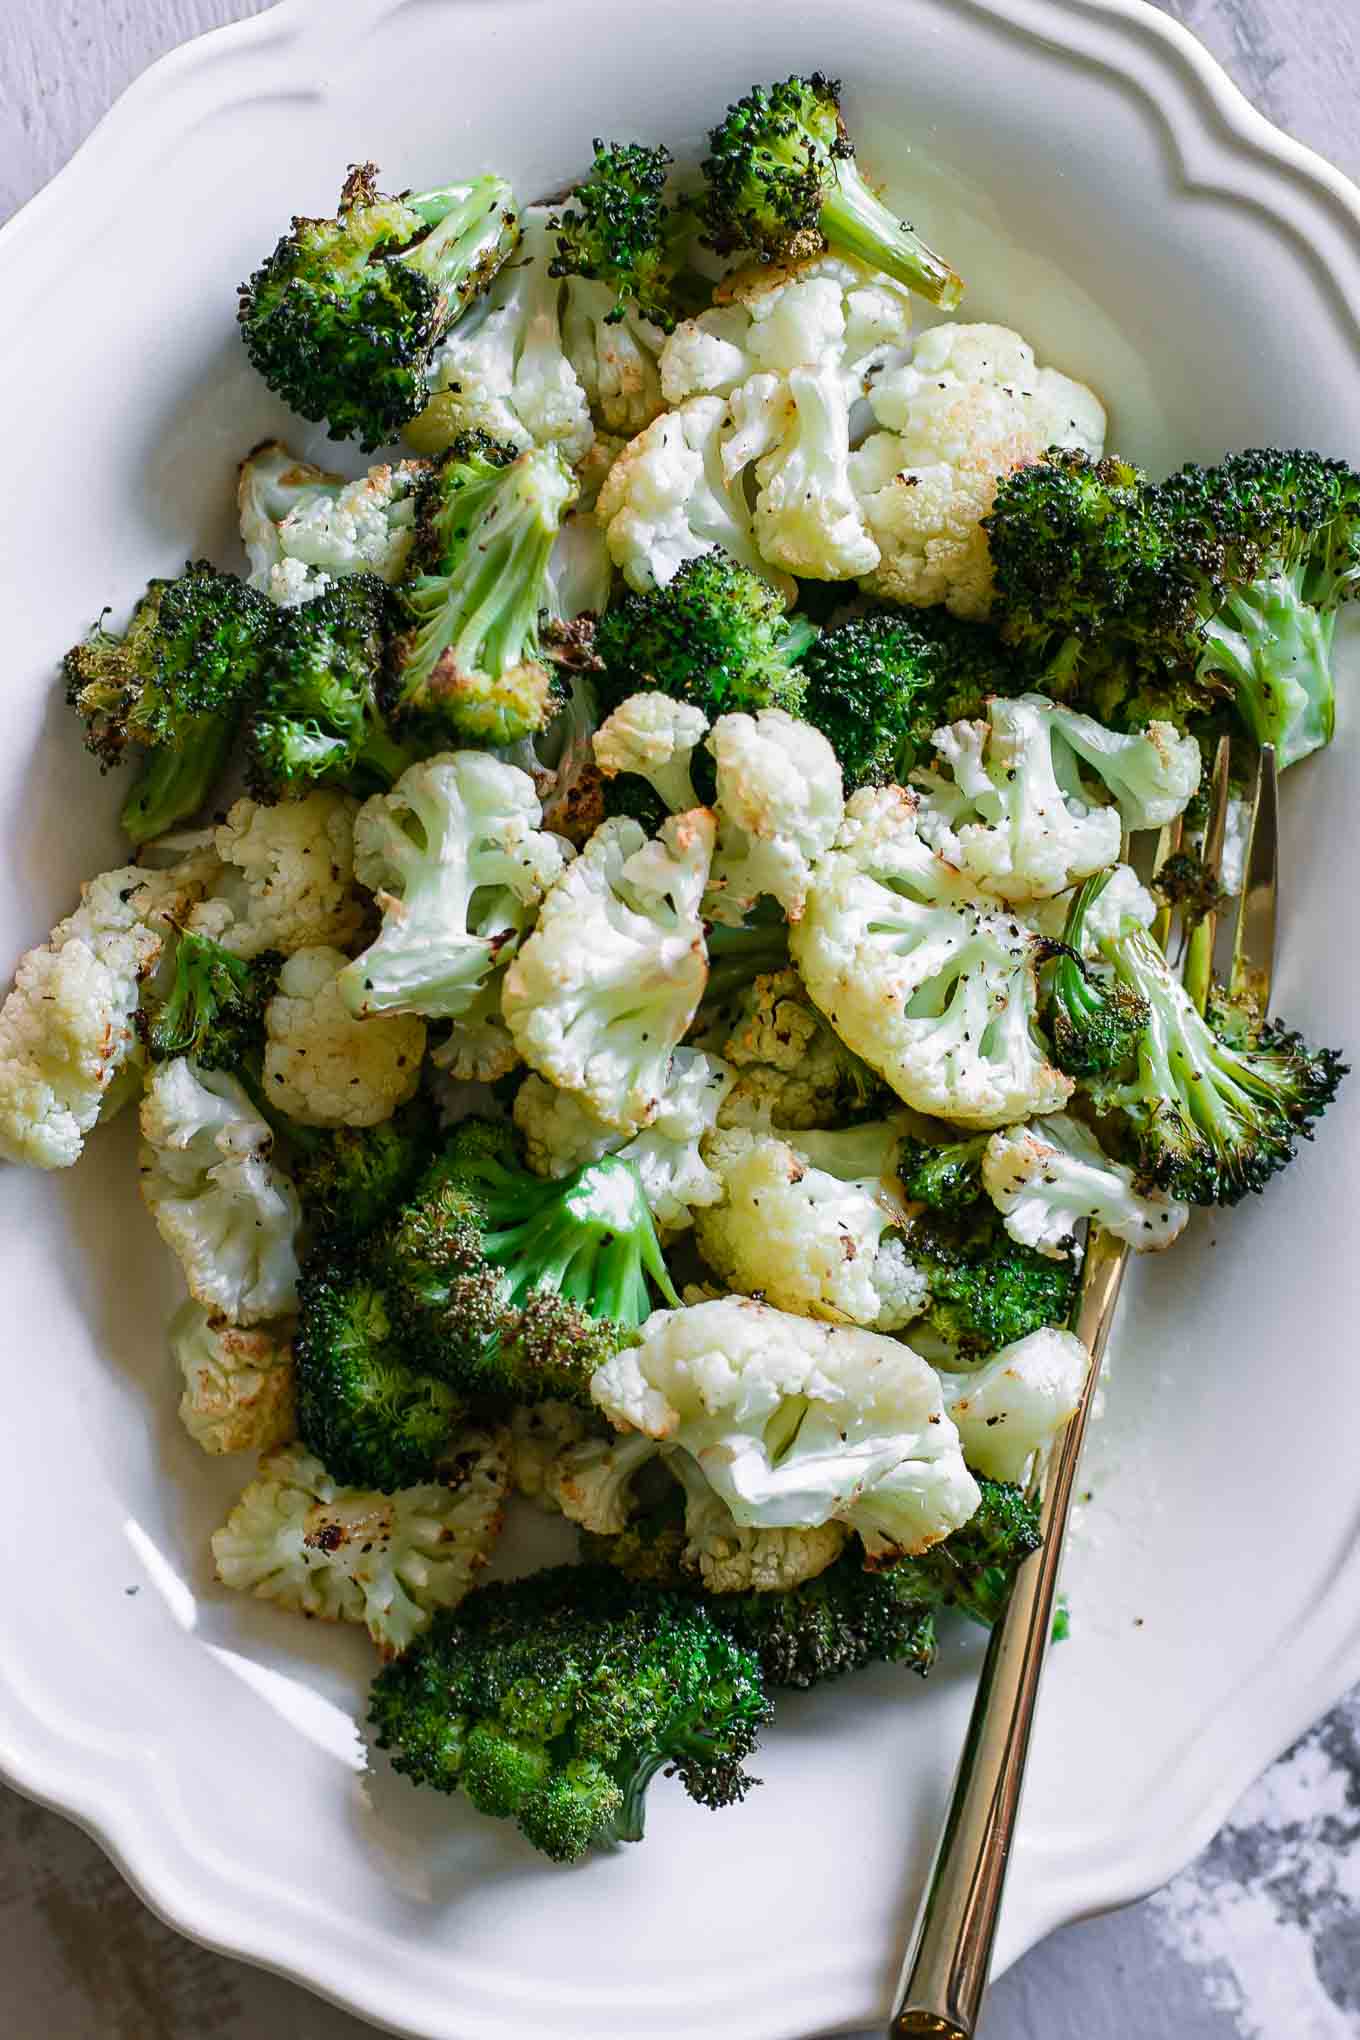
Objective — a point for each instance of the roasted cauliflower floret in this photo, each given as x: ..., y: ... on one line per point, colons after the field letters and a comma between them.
x: 322, y: 1066
x: 796, y: 1423
x: 303, y: 528
x: 603, y: 991
x: 387, y: 1560
x: 969, y: 408
x: 667, y: 499
x: 654, y: 737
x: 1017, y: 1402
x: 238, y: 1381
x: 561, y: 1133
x: 805, y: 1239
x: 459, y: 864
x: 1046, y: 1178
x: 779, y: 804
x: 290, y: 878
x: 728, y: 1557
x: 503, y: 368
x: 792, y: 1069
x: 219, y: 1202
x: 921, y: 976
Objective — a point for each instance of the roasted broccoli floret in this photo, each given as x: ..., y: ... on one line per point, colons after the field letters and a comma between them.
x: 945, y: 1178
x: 716, y: 635
x: 880, y: 685
x: 619, y: 230
x: 1211, y: 1120
x: 467, y: 667
x: 985, y: 1290
x: 350, y: 1178
x: 1159, y: 601
x: 554, y: 1700
x: 318, y: 721
x: 782, y: 181
x: 1095, y: 1020
x: 974, y: 1568
x: 527, y: 1283
x: 1183, y: 882
x: 214, y: 1010
x: 374, y: 1400
x: 172, y: 687
x: 342, y: 319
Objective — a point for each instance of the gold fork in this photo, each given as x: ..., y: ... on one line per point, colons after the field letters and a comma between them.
x: 946, y: 1972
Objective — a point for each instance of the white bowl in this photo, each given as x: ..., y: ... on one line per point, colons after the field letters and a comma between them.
x: 1106, y: 191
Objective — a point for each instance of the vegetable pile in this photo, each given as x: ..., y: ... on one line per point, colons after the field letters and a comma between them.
x: 632, y: 961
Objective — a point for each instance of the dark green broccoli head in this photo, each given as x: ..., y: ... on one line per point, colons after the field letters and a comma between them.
x: 373, y: 1401
x: 619, y: 230
x: 945, y: 1178
x: 343, y: 318
x: 466, y: 666
x: 172, y: 688
x: 318, y: 722
x: 554, y: 1700
x: 214, y: 1010
x: 1266, y: 547
x: 986, y: 1290
x: 716, y: 635
x: 527, y: 1284
x: 1183, y: 882
x: 880, y: 685
x: 840, y: 1622
x: 974, y: 1568
x: 1074, y: 550
x: 350, y: 1178
x: 1095, y: 1020
x: 782, y: 181
x: 1210, y: 1120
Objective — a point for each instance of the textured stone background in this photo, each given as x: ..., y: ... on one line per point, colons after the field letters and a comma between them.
x: 1260, y: 1939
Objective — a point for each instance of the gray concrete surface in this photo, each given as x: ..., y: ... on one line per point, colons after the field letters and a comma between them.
x: 1258, y: 1940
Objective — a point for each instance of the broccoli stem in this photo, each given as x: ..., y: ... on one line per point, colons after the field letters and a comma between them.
x: 589, y: 1244
x: 852, y: 218
x: 466, y: 232
x: 177, y: 779
x: 1276, y: 649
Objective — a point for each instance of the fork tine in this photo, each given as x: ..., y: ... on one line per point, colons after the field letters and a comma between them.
x: 1253, y: 950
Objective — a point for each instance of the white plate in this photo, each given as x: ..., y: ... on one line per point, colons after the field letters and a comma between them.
x: 1110, y: 194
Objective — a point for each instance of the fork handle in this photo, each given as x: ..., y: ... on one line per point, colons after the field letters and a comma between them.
x: 951, y: 1957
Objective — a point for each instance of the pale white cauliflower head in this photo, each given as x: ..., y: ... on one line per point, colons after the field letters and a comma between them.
x: 923, y: 976
x: 654, y: 737
x: 289, y: 881
x: 323, y: 1067
x: 561, y: 1133
x: 1017, y: 1402
x: 779, y: 804
x: 67, y: 1029
x: 1047, y: 1178
x: 458, y: 864
x: 603, y: 991
x: 667, y: 499
x: 792, y: 1069
x: 238, y: 1381
x: 303, y: 528
x: 796, y: 1423
x: 503, y: 368
x: 728, y: 1557
x: 615, y: 360
x: 804, y: 1239
x: 992, y: 806
x: 970, y: 408
x: 298, y: 1538
x: 219, y: 1202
